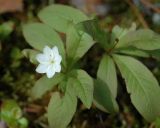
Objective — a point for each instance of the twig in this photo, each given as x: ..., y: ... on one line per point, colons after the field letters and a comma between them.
x: 152, y: 125
x: 137, y: 13
x: 151, y: 6
x: 101, y: 120
x: 84, y: 124
x: 111, y: 49
x: 33, y: 108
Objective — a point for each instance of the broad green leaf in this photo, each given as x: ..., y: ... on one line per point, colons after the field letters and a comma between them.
x: 31, y: 54
x: 107, y: 73
x: 133, y: 52
x: 92, y: 28
x: 103, y: 98
x: 142, y: 39
x: 39, y: 35
x: 45, y: 84
x: 77, y: 44
x: 60, y: 16
x: 142, y: 86
x: 61, y: 110
x: 83, y: 86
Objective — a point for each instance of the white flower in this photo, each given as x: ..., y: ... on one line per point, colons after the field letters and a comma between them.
x: 49, y: 61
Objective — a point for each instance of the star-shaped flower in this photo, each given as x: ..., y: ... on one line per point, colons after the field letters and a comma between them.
x: 50, y: 61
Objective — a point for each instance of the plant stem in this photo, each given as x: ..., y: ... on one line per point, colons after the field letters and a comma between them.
x: 111, y: 49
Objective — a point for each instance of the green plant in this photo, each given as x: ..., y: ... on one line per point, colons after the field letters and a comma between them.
x: 81, y: 33
x: 72, y: 82
x: 11, y: 113
x: 141, y: 84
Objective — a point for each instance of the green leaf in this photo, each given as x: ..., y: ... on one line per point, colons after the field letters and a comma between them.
x: 61, y: 110
x: 92, y: 28
x: 107, y: 73
x: 142, y: 39
x: 39, y: 35
x: 77, y: 44
x: 83, y: 86
x: 45, y: 84
x: 31, y: 54
x: 103, y: 97
x: 142, y: 86
x: 134, y: 52
x: 60, y: 16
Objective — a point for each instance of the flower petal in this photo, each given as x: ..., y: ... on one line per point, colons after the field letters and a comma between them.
x: 41, y: 58
x: 50, y: 72
x: 41, y: 68
x: 58, y: 59
x: 47, y: 51
x: 58, y: 68
x: 55, y: 51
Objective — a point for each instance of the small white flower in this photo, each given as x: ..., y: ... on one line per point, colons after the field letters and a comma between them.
x: 49, y: 61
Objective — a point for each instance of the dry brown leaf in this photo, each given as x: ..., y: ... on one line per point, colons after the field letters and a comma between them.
x: 10, y: 6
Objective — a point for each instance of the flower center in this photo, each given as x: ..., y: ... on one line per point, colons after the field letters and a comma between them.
x: 52, y: 61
